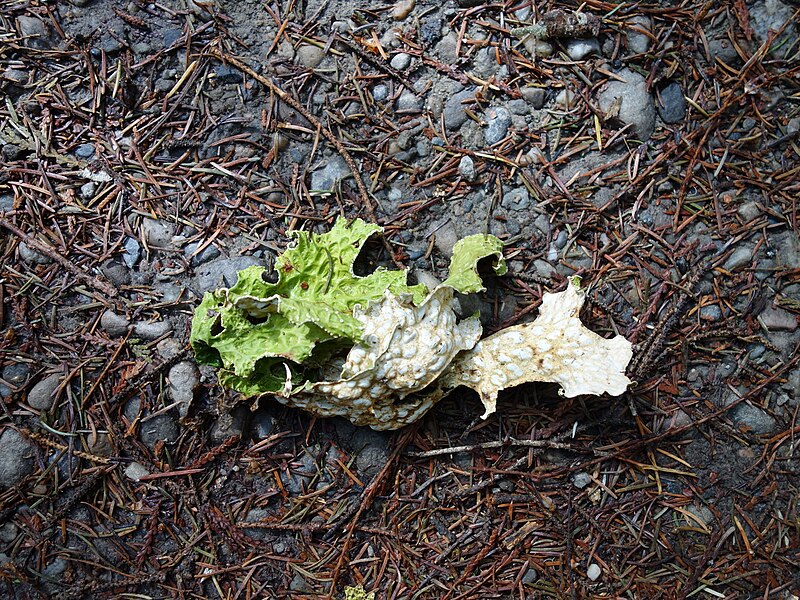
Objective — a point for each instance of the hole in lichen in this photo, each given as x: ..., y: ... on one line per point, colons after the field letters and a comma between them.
x: 216, y: 326
x: 269, y: 276
x: 372, y: 255
x: 256, y: 320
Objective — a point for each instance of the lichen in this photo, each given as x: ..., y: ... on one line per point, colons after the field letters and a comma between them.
x: 380, y: 352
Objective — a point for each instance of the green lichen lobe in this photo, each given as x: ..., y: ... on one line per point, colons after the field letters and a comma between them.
x: 252, y: 329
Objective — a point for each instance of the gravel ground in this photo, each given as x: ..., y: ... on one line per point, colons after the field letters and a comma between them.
x: 150, y: 151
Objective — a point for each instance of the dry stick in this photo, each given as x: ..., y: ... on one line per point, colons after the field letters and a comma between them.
x: 499, y: 444
x: 296, y: 105
x: 96, y: 283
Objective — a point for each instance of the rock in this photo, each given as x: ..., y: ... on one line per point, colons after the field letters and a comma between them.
x: 446, y: 48
x: 466, y: 167
x: 151, y: 330
x: 777, y: 319
x: 16, y: 374
x: 229, y: 424
x: 498, y: 120
x: 749, y: 211
x: 671, y: 104
x: 35, y: 30
x: 326, y: 178
x: 516, y: 199
x: 42, y: 395
x: 12, y: 152
x: 31, y: 256
x: 208, y: 253
x: 581, y: 480
x: 16, y: 458
x: 702, y: 514
x: 380, y: 92
x: 565, y: 99
x: 635, y: 105
x: 114, y: 325
x: 537, y: 48
x: 594, y: 572
x: 132, y: 252
x: 136, y: 471
x: 222, y: 272
x: 8, y: 532
x: 184, y: 381
x: 400, y: 61
x: 771, y: 15
x: 170, y: 36
x: 227, y: 75
x: 581, y: 48
x: 87, y: 190
x: 408, y: 102
x: 753, y: 419
x: 446, y: 238
x: 739, y: 258
x: 723, y: 50
x: 309, y: 56
x: 169, y: 348
x: 116, y: 273
x: 85, y: 151
x: 711, y: 312
x: 6, y: 202
x: 160, y: 428
x: 453, y: 112
x: 637, y: 34
x: 402, y: 9
x: 431, y: 29
x: 535, y: 96
x: 157, y: 233
x: 485, y: 63
x: 519, y: 107
x: 530, y: 576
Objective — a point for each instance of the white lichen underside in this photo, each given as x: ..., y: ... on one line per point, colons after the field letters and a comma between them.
x: 555, y: 347
x: 410, y: 349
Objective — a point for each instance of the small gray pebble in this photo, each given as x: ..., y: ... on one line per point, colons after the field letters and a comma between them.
x: 753, y: 418
x: 87, y: 190
x: 136, y: 471
x: 133, y: 250
x: 31, y: 256
x: 380, y: 92
x: 671, y: 104
x: 85, y: 150
x: 6, y: 202
x: 151, y: 330
x: 41, y: 396
x: 535, y: 96
x: 711, y: 312
x: 184, y: 381
x: 170, y: 36
x: 161, y: 428
x: 330, y: 174
x: 498, y: 120
x: 466, y: 166
x: 16, y: 458
x: 400, y: 61
x: 115, y: 325
x: 581, y: 48
x: 408, y: 102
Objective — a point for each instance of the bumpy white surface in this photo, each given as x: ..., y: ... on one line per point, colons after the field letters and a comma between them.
x: 405, y: 349
x: 555, y: 347
x: 414, y: 355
